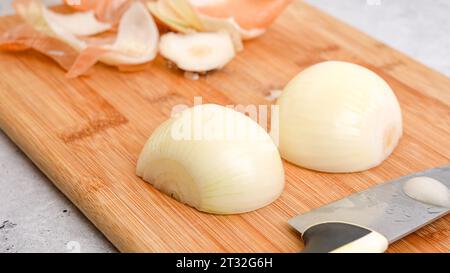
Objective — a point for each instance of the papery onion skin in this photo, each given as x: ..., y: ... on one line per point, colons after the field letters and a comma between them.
x: 137, y: 38
x: 136, y: 42
x: 82, y: 5
x: 215, y: 175
x: 338, y: 117
x: 78, y: 23
x: 249, y: 14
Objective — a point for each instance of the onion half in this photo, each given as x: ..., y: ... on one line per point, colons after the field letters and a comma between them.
x: 338, y: 117
x: 214, y: 159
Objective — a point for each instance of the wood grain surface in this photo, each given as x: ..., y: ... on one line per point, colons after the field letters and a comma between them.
x: 85, y: 134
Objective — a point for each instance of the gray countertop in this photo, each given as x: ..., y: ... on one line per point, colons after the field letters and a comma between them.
x: 36, y: 217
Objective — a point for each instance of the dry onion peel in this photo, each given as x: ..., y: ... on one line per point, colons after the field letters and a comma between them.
x: 186, y: 12
x: 214, y: 159
x: 183, y: 18
x: 228, y: 25
x: 111, y: 10
x: 165, y: 12
x: 85, y: 60
x: 248, y: 34
x: 82, y: 5
x: 338, y: 117
x: 36, y: 14
x: 252, y: 16
x: 171, y: 22
x: 105, y: 10
x: 78, y: 23
x: 231, y: 26
x: 136, y: 42
x: 24, y: 37
x: 137, y: 38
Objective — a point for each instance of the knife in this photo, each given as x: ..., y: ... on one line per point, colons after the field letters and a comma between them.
x: 370, y: 220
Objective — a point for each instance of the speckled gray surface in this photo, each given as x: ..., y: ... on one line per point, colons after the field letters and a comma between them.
x: 36, y: 217
x: 419, y: 28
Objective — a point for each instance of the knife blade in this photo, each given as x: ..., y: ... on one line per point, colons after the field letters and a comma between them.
x: 380, y: 210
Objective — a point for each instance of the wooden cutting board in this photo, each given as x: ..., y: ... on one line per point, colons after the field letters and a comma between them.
x: 85, y: 134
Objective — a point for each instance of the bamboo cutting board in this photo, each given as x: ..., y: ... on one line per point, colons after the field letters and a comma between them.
x: 86, y: 134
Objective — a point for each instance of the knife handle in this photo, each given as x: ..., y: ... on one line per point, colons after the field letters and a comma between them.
x: 337, y: 237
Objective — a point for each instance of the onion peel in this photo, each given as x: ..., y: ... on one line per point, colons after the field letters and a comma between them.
x: 78, y: 23
x: 24, y: 37
x: 136, y: 41
x: 249, y: 14
x: 180, y: 16
x: 105, y: 10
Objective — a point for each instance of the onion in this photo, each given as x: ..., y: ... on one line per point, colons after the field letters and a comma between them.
x: 198, y: 52
x: 338, y: 117
x: 214, y: 159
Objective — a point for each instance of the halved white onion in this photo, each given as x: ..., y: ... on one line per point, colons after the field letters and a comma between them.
x: 338, y: 117
x: 198, y: 52
x: 214, y: 159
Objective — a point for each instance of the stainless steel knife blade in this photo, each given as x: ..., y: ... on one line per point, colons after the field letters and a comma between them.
x: 384, y: 208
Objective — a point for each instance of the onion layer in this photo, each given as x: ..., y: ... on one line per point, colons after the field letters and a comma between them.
x: 198, y: 52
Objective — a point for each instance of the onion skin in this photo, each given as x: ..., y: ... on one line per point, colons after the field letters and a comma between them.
x: 338, y: 117
x: 83, y: 5
x: 222, y: 175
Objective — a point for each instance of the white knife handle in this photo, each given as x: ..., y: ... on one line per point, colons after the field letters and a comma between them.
x: 342, y: 238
